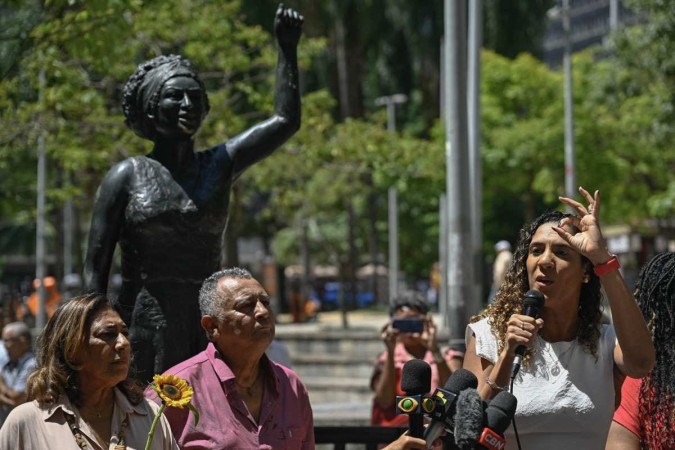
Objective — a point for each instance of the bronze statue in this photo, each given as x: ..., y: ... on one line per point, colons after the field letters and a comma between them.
x: 168, y: 210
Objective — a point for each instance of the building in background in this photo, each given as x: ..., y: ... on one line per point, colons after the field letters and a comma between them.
x: 591, y: 23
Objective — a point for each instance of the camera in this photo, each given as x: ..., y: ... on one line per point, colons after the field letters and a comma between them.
x: 409, y: 324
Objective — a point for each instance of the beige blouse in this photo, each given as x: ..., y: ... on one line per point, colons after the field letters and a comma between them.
x: 31, y: 426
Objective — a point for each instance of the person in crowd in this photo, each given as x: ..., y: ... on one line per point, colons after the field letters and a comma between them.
x: 646, y: 416
x: 503, y: 258
x: 14, y: 372
x: 82, y: 396
x: 168, y: 210
x: 401, y: 347
x: 244, y: 399
x: 565, y: 387
x: 51, y: 301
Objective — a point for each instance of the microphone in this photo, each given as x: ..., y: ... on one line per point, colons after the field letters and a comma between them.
x: 415, y: 382
x: 446, y: 398
x: 532, y: 303
x: 498, y: 417
x: 468, y: 419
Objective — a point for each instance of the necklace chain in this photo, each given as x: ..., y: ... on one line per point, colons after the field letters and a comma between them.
x: 558, y: 362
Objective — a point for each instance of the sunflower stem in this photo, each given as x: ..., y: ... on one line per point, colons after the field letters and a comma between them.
x: 151, y: 434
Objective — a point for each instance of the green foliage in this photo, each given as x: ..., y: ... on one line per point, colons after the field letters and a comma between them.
x: 624, y: 115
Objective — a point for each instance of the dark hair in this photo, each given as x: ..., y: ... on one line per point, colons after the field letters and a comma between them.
x: 655, y: 293
x: 65, y: 334
x: 509, y: 297
x: 413, y: 300
x: 132, y: 105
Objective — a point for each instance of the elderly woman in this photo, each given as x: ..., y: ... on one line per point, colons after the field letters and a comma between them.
x: 565, y: 389
x: 168, y: 210
x: 82, y: 396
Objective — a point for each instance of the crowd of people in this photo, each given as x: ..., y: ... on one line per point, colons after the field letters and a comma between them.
x: 83, y: 392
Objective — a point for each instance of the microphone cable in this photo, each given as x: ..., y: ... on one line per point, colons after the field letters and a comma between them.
x: 513, y: 421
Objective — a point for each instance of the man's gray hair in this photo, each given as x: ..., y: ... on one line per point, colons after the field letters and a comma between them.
x: 209, y: 300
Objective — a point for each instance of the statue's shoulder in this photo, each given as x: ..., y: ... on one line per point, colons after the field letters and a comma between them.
x: 120, y: 174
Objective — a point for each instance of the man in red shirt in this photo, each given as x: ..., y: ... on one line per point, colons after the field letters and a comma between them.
x: 401, y: 347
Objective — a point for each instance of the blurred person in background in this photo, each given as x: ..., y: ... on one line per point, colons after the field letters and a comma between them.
x: 20, y: 362
x: 52, y: 299
x: 401, y: 347
x: 646, y: 415
x: 503, y: 259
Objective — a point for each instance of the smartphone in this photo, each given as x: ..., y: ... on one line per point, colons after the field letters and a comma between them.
x: 409, y: 324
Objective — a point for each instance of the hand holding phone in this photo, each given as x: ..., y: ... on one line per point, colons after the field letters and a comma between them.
x: 408, y: 324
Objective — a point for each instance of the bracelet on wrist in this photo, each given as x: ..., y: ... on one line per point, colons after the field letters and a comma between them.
x: 494, y: 385
x: 609, y: 266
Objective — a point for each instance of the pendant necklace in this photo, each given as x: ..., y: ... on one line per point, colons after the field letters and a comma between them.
x: 557, y: 362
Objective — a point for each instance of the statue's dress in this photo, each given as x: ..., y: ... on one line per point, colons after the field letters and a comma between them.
x: 170, y: 242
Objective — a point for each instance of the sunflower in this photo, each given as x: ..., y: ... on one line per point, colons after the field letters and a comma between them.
x: 174, y: 391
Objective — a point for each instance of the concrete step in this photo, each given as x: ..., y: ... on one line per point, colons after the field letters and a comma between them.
x: 342, y: 365
x: 332, y: 389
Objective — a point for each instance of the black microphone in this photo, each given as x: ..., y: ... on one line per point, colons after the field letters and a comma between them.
x: 446, y: 398
x: 415, y: 382
x: 498, y: 417
x: 532, y: 303
x: 468, y: 419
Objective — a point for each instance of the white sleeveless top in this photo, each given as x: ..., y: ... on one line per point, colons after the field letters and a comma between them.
x: 565, y: 397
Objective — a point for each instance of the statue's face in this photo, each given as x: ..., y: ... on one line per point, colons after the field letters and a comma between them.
x: 180, y: 109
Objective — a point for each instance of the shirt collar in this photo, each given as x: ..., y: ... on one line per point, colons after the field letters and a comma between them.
x: 224, y: 373
x: 64, y: 405
x: 19, y: 362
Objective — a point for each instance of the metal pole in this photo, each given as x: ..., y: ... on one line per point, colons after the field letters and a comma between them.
x: 570, y: 175
x: 475, y: 168
x: 393, y: 244
x: 68, y: 238
x: 460, y: 273
x: 40, y: 263
x: 443, y: 260
x: 390, y: 101
x: 613, y: 14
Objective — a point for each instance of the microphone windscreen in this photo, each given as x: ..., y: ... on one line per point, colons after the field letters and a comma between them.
x: 533, y: 299
x: 461, y: 379
x: 468, y: 418
x: 416, y: 377
x: 500, y: 411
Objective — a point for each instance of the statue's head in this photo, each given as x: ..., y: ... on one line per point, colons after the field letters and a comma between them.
x: 165, y: 96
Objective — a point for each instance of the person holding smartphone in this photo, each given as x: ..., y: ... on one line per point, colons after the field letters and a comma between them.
x: 409, y: 334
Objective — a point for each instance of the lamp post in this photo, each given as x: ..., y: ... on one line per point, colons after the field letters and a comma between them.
x: 570, y: 155
x: 390, y: 101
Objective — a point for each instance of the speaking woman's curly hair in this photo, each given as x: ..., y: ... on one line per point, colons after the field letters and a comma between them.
x: 65, y: 335
x: 509, y: 297
x: 655, y: 293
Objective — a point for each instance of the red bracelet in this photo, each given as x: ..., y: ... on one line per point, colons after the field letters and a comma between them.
x: 607, y: 267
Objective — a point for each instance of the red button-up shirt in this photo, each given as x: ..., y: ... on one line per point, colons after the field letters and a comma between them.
x: 224, y: 421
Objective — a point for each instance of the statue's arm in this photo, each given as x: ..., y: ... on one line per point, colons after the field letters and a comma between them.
x: 106, y: 222
x: 261, y: 140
